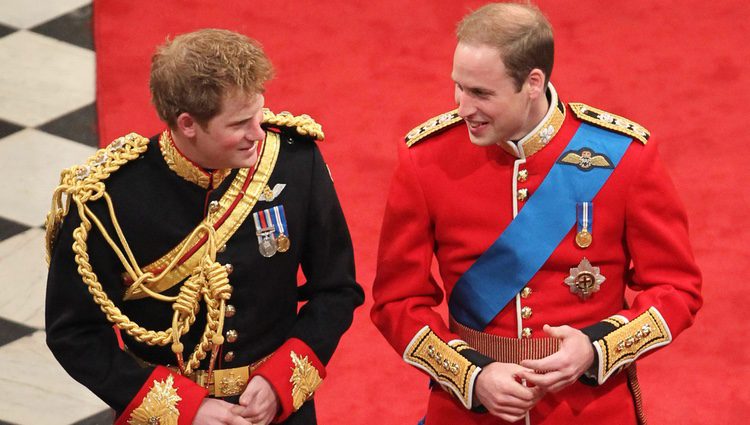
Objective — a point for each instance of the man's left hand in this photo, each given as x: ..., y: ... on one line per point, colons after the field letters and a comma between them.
x: 575, y: 356
x: 258, y: 403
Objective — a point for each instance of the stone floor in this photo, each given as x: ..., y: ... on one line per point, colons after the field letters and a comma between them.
x: 47, y: 123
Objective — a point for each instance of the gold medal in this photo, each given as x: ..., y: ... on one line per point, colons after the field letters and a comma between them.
x: 584, y: 238
x: 283, y: 243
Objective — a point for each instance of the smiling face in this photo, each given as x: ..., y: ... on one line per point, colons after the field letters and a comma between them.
x: 488, y: 99
x: 230, y: 138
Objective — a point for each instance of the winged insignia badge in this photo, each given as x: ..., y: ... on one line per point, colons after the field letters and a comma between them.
x: 585, y: 159
x: 269, y: 194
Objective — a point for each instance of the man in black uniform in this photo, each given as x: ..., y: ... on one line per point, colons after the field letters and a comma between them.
x: 188, y: 245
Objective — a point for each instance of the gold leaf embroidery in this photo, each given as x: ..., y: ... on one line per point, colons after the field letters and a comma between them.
x: 305, y: 379
x: 159, y: 407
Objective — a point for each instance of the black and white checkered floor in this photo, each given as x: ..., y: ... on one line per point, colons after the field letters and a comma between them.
x: 47, y: 123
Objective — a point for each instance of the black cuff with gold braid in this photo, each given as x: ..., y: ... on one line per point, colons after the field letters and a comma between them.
x: 618, y: 342
x: 448, y: 364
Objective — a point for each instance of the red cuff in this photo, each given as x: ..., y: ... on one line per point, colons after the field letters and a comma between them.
x: 165, y: 396
x: 294, y: 372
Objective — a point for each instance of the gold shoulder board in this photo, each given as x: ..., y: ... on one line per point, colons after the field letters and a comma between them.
x: 432, y: 126
x: 610, y: 121
x: 303, y: 124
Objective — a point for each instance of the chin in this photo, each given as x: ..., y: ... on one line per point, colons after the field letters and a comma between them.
x: 481, y: 141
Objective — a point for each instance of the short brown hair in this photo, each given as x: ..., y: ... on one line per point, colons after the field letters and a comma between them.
x: 193, y: 72
x: 520, y: 32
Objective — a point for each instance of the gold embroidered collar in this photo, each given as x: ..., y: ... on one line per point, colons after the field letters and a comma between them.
x: 186, y: 168
x: 540, y: 136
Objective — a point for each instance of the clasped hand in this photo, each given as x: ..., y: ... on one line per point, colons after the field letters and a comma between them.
x: 258, y: 406
x: 509, y: 391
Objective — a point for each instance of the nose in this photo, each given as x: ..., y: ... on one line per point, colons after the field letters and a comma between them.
x: 465, y: 105
x: 256, y: 132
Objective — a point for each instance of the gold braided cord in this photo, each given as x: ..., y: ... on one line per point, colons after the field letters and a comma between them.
x: 208, y: 282
x: 304, y: 124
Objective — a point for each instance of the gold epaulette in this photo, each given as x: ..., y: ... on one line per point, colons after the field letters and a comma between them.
x: 432, y: 126
x: 85, y: 181
x: 303, y: 124
x: 610, y: 121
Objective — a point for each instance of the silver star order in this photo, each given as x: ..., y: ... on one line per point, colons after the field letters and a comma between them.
x: 585, y: 279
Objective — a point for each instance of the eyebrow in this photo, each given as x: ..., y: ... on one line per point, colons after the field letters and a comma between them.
x: 240, y: 121
x: 476, y: 90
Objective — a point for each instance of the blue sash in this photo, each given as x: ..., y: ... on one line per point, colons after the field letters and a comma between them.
x: 529, y: 240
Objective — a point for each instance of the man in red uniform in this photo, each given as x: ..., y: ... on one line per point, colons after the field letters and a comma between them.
x: 539, y: 224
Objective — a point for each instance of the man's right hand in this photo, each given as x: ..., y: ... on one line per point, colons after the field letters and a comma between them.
x: 502, y: 394
x: 218, y: 412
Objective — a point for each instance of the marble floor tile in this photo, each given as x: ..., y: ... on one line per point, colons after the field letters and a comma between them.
x: 10, y: 228
x: 34, y: 159
x: 5, y: 30
x: 8, y: 128
x: 11, y: 331
x: 31, y: 374
x: 79, y: 126
x: 106, y: 417
x: 23, y: 278
x: 26, y: 13
x: 42, y: 78
x: 73, y: 27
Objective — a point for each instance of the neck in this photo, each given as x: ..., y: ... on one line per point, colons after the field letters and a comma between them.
x: 537, y: 110
x: 186, y: 147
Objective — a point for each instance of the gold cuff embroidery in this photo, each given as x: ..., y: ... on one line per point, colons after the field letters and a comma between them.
x: 159, y: 407
x: 443, y: 363
x: 616, y: 321
x: 628, y: 342
x: 305, y: 380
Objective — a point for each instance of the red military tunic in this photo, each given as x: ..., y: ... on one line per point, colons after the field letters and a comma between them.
x: 453, y: 199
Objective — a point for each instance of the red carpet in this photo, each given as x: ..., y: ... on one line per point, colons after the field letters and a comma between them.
x: 369, y: 71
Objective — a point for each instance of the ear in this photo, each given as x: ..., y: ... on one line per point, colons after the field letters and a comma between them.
x: 535, y: 83
x: 186, y: 125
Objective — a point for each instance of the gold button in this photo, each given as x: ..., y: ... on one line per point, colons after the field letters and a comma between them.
x: 232, y: 335
x: 526, y: 312
x: 222, y: 248
x: 229, y: 311
x: 229, y: 267
x: 526, y: 332
x: 523, y: 175
x: 229, y: 356
x: 213, y: 206
x: 522, y: 194
x: 525, y: 292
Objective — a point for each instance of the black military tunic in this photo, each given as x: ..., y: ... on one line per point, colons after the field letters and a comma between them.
x: 157, y: 204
